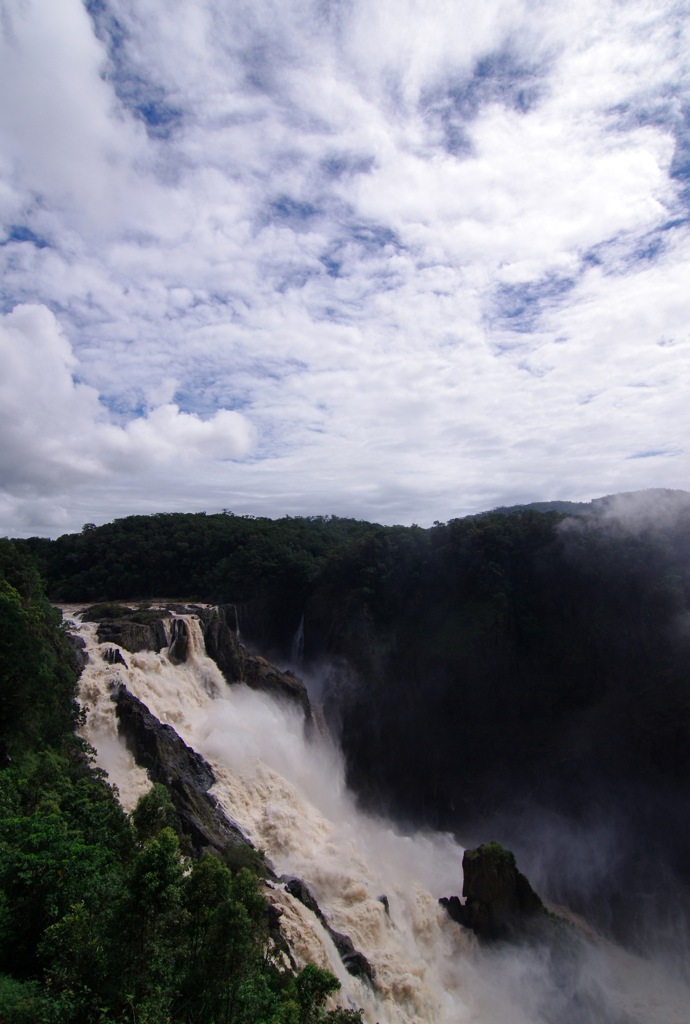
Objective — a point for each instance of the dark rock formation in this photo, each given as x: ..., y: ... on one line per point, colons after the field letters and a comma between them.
x: 179, y: 644
x: 145, y: 631
x: 499, y: 901
x: 238, y: 666
x: 113, y: 656
x: 78, y: 654
x: 301, y: 891
x: 260, y: 674
x: 186, y: 775
x: 354, y: 962
x: 221, y: 641
x: 133, y: 636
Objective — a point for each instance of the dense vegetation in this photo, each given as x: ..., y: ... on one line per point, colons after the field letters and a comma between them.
x: 242, y: 559
x: 103, y: 918
x: 486, y: 675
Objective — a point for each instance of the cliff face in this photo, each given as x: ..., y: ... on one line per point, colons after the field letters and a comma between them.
x: 122, y: 625
x: 185, y: 774
x: 239, y: 666
x: 510, y: 678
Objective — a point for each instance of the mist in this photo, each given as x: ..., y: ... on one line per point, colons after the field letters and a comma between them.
x: 286, y: 788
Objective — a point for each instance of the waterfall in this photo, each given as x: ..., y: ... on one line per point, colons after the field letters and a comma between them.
x: 372, y: 882
x: 297, y: 645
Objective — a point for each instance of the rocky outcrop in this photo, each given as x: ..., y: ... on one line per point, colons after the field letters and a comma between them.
x: 179, y: 642
x: 113, y: 656
x: 354, y: 962
x: 221, y: 641
x: 133, y: 636
x: 187, y: 776
x: 238, y: 666
x: 260, y: 674
x: 499, y: 900
x: 79, y: 657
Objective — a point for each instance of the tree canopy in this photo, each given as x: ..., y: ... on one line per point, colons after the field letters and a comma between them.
x: 103, y: 917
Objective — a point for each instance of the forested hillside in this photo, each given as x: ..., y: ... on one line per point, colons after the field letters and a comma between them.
x: 105, y: 917
x: 505, y: 673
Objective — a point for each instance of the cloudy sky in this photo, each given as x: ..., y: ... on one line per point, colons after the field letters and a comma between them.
x: 401, y: 260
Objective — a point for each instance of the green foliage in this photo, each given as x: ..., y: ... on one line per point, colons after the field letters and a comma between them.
x: 23, y: 1002
x: 314, y: 985
x: 106, y: 610
x: 269, y: 564
x: 37, y: 681
x: 103, y: 918
x: 154, y: 812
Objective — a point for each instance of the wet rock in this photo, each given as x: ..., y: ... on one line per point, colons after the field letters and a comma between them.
x: 301, y: 891
x: 260, y: 674
x: 133, y: 636
x: 113, y: 656
x: 499, y: 900
x: 187, y: 776
x: 355, y: 963
x: 221, y: 641
x: 238, y: 666
x: 79, y: 656
x: 178, y: 650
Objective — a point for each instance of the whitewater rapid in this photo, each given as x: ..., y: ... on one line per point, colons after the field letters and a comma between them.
x: 289, y: 797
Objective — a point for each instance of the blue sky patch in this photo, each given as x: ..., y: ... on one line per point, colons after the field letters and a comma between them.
x: 653, y: 453
x: 374, y: 237
x: 145, y: 99
x: 292, y: 210
x: 518, y: 307
x: 22, y: 233
x: 499, y: 77
x: 346, y: 165
x: 619, y: 254
x: 331, y: 265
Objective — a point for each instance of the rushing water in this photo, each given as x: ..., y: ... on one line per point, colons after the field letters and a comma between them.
x: 289, y: 797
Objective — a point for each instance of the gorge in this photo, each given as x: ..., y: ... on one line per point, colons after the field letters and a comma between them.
x: 279, y: 779
x: 341, y: 712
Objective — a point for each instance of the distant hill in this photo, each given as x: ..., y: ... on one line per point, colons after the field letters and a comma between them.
x: 568, y: 508
x: 650, y: 501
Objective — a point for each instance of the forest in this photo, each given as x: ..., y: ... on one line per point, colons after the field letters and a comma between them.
x: 517, y: 674
x: 107, y: 917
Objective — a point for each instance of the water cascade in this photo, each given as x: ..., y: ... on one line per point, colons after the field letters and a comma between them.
x: 372, y: 883
x: 297, y: 646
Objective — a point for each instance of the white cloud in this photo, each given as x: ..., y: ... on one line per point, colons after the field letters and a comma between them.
x: 57, y: 434
x: 433, y: 253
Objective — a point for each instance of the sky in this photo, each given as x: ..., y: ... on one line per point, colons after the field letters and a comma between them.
x: 395, y: 260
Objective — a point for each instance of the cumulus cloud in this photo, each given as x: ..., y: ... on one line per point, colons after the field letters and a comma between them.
x: 435, y: 253
x: 57, y: 433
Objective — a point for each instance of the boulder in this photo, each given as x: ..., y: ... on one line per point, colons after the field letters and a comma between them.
x: 260, y: 674
x: 354, y: 962
x: 113, y: 656
x: 499, y: 900
x: 133, y: 636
